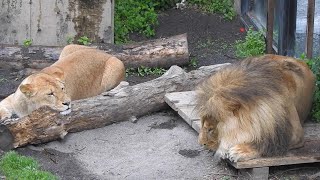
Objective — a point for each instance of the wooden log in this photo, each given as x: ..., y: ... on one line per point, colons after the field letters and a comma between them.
x: 163, y: 52
x: 45, y: 125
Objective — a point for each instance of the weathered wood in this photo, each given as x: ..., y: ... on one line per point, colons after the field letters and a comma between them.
x: 45, y: 125
x: 162, y: 52
x: 310, y: 153
x: 183, y: 103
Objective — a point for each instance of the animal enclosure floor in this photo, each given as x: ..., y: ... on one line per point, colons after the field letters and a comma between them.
x: 184, y: 104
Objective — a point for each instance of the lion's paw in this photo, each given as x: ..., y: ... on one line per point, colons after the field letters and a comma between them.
x: 4, y: 114
x: 241, y: 153
x: 222, y: 153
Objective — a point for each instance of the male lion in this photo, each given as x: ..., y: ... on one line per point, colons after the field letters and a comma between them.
x: 80, y: 72
x: 256, y: 107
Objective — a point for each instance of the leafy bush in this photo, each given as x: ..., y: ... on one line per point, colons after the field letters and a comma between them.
x: 134, y: 16
x: 253, y: 45
x: 314, y: 65
x: 224, y: 7
x: 15, y: 166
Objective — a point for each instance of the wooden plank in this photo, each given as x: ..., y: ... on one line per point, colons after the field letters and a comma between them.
x: 188, y: 114
x: 180, y: 99
x: 309, y: 153
x: 196, y: 125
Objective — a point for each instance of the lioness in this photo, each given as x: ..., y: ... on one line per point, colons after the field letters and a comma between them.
x: 80, y: 72
x: 256, y: 107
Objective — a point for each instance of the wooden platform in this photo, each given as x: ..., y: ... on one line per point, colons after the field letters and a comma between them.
x: 184, y: 103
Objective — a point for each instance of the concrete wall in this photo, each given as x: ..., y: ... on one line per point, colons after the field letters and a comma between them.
x: 52, y: 22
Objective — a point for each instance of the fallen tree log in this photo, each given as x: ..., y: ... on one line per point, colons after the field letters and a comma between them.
x: 163, y: 52
x: 45, y: 125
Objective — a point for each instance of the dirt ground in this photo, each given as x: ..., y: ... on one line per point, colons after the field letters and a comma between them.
x: 211, y: 41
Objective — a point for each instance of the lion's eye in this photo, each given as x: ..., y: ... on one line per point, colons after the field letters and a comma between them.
x: 50, y: 94
x: 62, y: 88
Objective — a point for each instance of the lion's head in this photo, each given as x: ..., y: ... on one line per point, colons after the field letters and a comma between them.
x: 208, y: 135
x: 43, y: 89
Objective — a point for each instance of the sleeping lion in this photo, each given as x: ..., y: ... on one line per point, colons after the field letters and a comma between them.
x: 80, y: 72
x: 256, y: 107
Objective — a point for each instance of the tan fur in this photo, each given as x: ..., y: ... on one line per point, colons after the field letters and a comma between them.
x: 80, y: 72
x: 256, y: 107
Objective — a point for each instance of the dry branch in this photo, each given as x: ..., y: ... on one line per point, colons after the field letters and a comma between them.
x: 45, y: 125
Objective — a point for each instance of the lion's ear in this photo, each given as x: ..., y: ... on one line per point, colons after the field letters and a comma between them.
x: 27, y: 89
x: 54, y: 71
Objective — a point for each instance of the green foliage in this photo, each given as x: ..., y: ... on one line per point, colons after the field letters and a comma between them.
x: 134, y: 16
x: 70, y: 39
x: 224, y: 7
x: 314, y: 65
x: 27, y: 42
x: 253, y: 45
x: 15, y: 166
x: 84, y: 40
x: 193, y: 62
x: 144, y: 71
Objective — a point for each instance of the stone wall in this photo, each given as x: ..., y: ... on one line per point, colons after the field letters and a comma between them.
x: 53, y: 22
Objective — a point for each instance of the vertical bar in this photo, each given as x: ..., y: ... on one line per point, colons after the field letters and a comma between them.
x: 287, y: 15
x: 270, y: 19
x: 112, y: 20
x: 310, y: 27
x: 244, y: 6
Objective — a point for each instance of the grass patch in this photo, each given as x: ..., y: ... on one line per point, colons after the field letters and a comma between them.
x: 16, y: 167
x: 193, y: 62
x: 134, y: 16
x: 224, y: 7
x: 145, y: 71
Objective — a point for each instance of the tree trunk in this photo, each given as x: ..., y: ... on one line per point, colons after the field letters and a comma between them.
x: 162, y: 52
x: 117, y: 105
